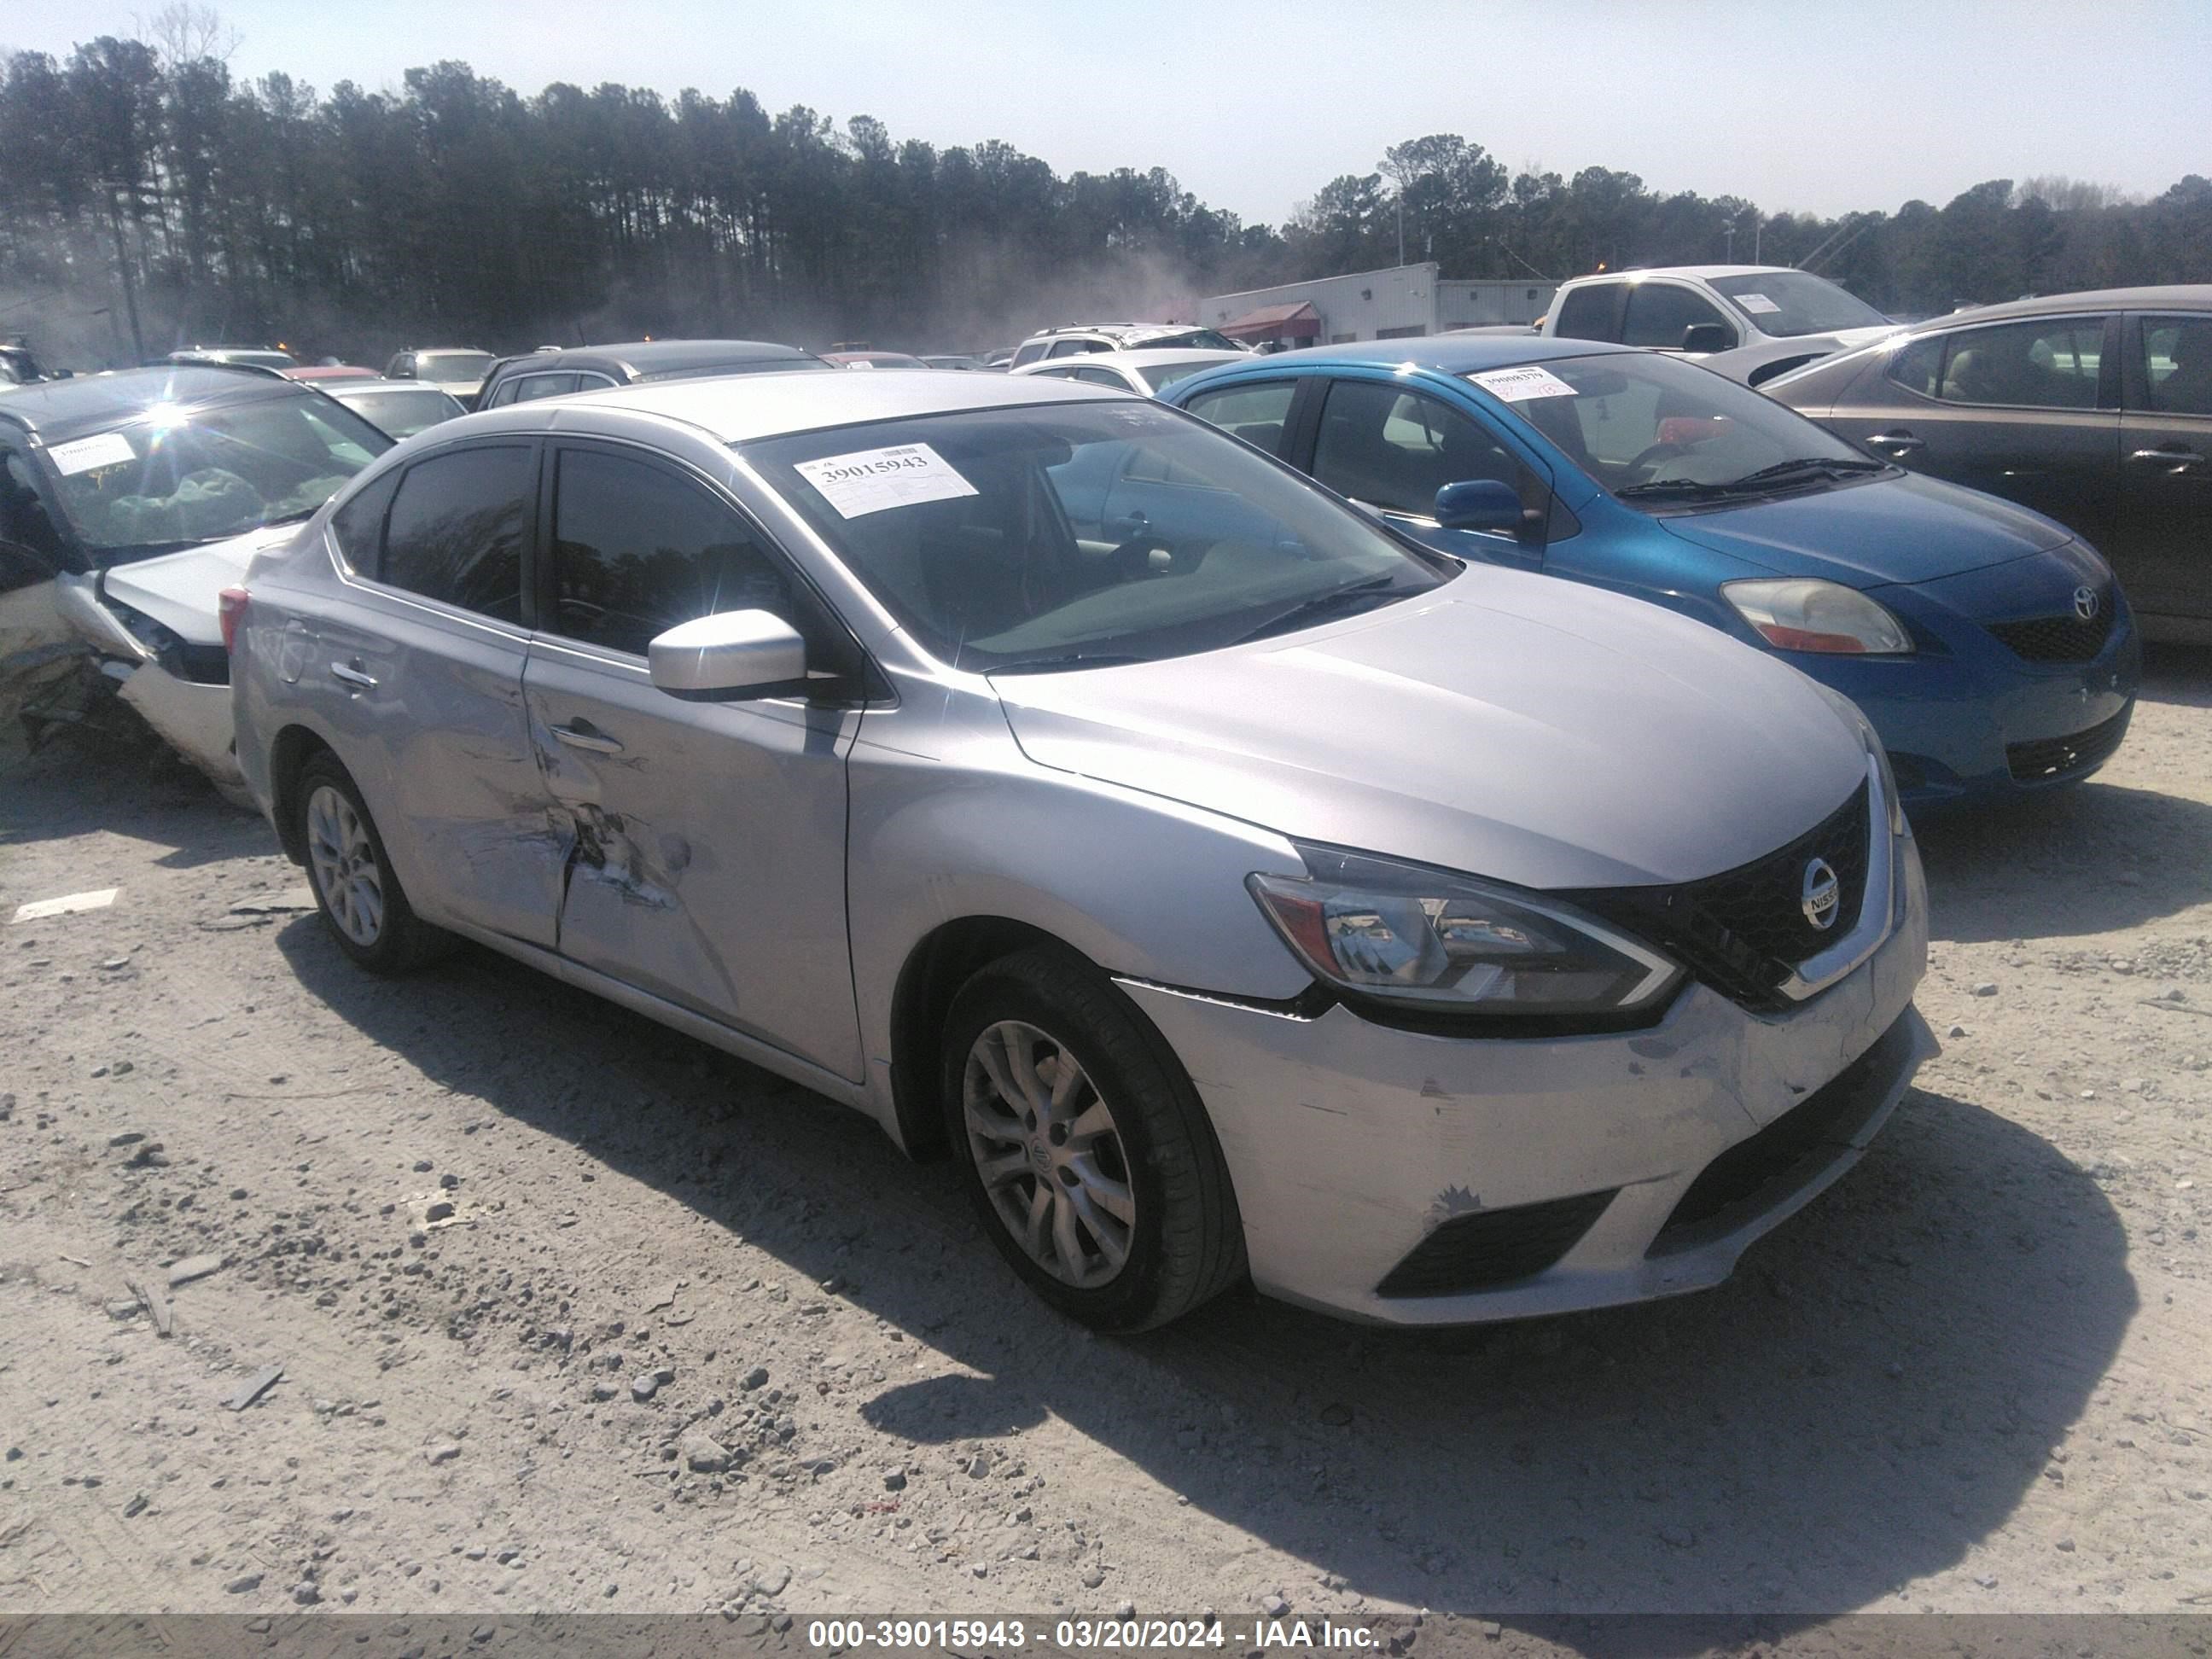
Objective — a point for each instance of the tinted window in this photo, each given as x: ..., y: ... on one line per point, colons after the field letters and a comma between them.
x: 637, y: 550
x: 1586, y: 313
x: 455, y: 532
x: 2177, y: 364
x: 1395, y: 449
x: 1028, y: 353
x: 1256, y: 414
x: 359, y: 522
x: 1659, y: 312
x: 1101, y: 377
x: 1918, y: 367
x: 2041, y: 365
x: 531, y: 387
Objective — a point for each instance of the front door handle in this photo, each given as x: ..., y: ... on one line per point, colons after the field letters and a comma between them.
x: 1899, y: 442
x: 2173, y: 456
x: 347, y: 674
x: 583, y: 736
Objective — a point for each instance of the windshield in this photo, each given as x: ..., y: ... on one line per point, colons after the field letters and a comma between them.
x: 1200, y: 339
x: 402, y: 412
x: 175, y: 476
x: 1159, y: 375
x: 1086, y: 533
x: 454, y: 365
x: 1655, y: 430
x: 1787, y: 303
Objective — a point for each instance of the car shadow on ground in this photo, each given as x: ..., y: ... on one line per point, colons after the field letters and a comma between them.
x: 2097, y: 858
x: 1871, y: 1395
x: 126, y: 782
x: 2179, y: 674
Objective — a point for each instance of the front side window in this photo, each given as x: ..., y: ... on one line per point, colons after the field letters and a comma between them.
x: 958, y: 524
x: 2047, y: 364
x: 1662, y: 433
x: 1101, y: 377
x: 1257, y: 414
x: 1917, y: 366
x: 2177, y: 364
x: 1586, y: 313
x: 176, y: 477
x: 1785, y: 304
x: 1660, y: 313
x: 637, y: 549
x: 1394, y: 449
x: 454, y: 532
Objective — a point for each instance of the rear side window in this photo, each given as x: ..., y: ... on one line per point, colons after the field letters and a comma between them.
x: 1030, y: 353
x: 531, y: 387
x: 359, y: 524
x: 2177, y: 364
x: 1257, y: 414
x: 1586, y: 313
x: 2048, y: 364
x: 1918, y: 367
x: 1394, y: 449
x: 455, y: 529
x: 1660, y: 313
x: 637, y: 549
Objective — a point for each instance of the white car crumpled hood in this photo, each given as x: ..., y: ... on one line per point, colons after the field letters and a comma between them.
x: 179, y: 590
x: 1516, y: 727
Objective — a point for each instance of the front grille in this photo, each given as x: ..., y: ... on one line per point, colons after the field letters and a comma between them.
x: 1485, y: 1249
x: 1744, y: 931
x: 2046, y: 758
x: 2063, y: 638
x: 1754, y: 1175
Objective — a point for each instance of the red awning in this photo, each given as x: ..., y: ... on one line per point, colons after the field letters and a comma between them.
x: 1297, y: 322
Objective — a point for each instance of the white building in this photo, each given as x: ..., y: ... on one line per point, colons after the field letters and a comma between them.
x: 1372, y: 304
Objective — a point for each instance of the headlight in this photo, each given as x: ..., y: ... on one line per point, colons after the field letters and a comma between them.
x: 1433, y: 941
x: 1801, y: 614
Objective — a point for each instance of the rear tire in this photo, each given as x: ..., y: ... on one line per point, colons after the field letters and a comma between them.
x: 361, y: 901
x: 1085, y: 1148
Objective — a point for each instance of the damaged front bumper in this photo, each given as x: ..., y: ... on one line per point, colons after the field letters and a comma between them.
x: 1404, y: 1178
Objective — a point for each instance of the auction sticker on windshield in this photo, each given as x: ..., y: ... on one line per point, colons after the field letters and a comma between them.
x: 871, y: 480
x: 107, y: 449
x: 1518, y: 385
x: 1759, y: 304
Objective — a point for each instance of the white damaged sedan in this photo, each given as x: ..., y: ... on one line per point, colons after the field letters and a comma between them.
x: 1235, y: 891
x: 128, y: 502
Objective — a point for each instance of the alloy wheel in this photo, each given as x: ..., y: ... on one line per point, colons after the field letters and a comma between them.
x: 1048, y: 1153
x: 345, y: 866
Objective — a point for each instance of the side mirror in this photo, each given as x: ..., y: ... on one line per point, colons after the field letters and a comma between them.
x: 1480, y: 504
x: 729, y: 655
x: 1707, y: 337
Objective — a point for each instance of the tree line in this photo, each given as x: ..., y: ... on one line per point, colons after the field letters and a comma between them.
x: 150, y: 199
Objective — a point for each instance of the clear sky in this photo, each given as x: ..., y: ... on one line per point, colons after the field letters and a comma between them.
x: 1793, y: 104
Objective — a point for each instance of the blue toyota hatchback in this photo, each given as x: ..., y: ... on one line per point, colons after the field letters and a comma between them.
x: 1992, y: 650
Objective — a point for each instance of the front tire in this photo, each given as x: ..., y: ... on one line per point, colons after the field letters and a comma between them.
x: 1085, y: 1148
x: 361, y: 899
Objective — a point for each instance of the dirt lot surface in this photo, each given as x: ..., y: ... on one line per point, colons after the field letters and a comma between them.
x: 691, y: 1338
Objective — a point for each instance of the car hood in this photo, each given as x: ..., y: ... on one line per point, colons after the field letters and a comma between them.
x: 179, y: 590
x: 1907, y: 528
x: 1534, y: 731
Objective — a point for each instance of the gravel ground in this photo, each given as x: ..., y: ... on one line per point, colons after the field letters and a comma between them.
x: 688, y: 1337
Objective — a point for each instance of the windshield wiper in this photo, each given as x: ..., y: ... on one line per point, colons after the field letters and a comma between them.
x: 1336, y: 601
x: 1059, y: 664
x: 1837, y: 466
x: 1677, y: 488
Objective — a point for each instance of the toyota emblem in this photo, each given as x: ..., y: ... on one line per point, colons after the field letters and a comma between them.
x: 1822, y: 894
x: 2085, y: 604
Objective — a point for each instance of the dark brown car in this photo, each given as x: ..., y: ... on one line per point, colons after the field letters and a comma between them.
x: 2095, y: 409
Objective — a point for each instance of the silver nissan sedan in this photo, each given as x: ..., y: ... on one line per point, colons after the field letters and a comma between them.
x: 1234, y: 887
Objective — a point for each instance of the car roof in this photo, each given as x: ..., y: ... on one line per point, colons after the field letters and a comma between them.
x: 660, y: 356
x: 1445, y: 354
x: 745, y: 407
x: 2178, y: 296
x: 60, y: 409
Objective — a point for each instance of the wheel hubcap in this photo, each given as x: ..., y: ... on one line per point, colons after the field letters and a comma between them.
x: 344, y: 864
x: 1045, y: 1144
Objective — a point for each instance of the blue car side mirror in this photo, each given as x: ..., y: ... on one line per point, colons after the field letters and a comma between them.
x: 1480, y: 504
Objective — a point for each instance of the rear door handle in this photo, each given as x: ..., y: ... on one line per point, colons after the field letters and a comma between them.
x: 1899, y: 442
x: 347, y: 674
x: 583, y: 736
x: 2175, y: 456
